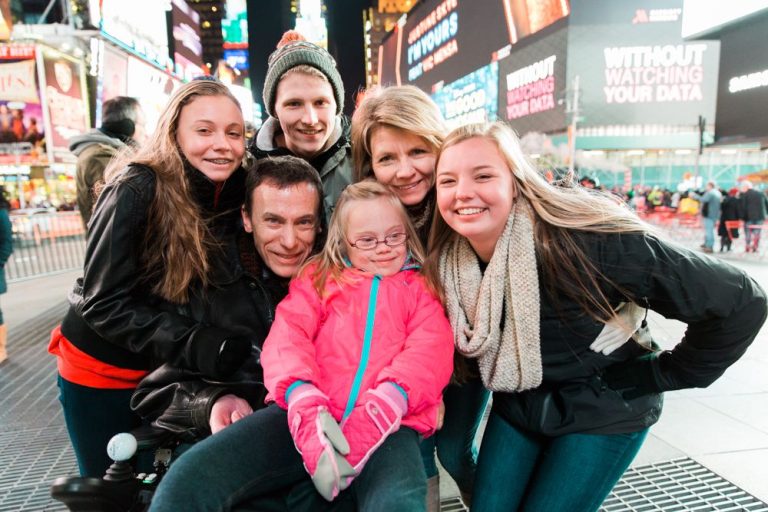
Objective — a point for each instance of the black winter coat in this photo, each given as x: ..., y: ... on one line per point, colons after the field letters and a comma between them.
x: 723, y: 307
x: 730, y: 209
x: 113, y: 315
x: 754, y: 206
x: 244, y: 301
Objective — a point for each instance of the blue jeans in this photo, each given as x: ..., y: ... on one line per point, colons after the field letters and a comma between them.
x: 709, y: 232
x: 752, y: 235
x: 255, y: 457
x: 518, y: 470
x: 456, y: 445
x: 93, y: 416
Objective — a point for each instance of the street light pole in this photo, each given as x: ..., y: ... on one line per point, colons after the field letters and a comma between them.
x: 574, y: 121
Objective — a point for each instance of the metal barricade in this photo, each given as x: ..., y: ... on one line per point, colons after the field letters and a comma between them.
x: 45, y: 243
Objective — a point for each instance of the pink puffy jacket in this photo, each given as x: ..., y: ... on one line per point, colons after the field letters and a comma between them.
x: 323, y: 341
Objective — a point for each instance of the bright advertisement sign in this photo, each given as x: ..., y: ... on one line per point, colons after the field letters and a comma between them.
x: 443, y: 40
x: 22, y: 134
x: 637, y: 77
x: 152, y: 87
x: 470, y: 99
x: 532, y: 82
x: 65, y: 101
x: 139, y: 25
x: 187, y: 46
x: 742, y: 97
x: 114, y: 74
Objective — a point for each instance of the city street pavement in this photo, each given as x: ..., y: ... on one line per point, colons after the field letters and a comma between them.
x: 723, y: 428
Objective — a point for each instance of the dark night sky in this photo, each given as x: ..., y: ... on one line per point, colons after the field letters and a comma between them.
x: 268, y: 19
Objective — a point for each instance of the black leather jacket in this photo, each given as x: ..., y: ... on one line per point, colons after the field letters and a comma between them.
x: 113, y: 315
x: 180, y: 400
x: 722, y: 306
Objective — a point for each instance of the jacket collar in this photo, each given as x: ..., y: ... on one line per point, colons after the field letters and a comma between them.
x: 216, y: 198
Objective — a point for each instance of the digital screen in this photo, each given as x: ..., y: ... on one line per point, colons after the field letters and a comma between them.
x: 139, y: 25
x: 187, y: 47
x: 742, y: 99
x: 152, y: 87
x: 636, y: 75
x: 470, y: 99
x: 22, y: 133
x: 532, y: 83
x: 444, y: 40
x: 703, y: 16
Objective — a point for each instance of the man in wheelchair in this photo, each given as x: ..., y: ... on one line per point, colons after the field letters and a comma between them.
x: 282, y: 218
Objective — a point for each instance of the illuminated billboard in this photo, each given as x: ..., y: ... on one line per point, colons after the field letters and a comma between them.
x: 187, y: 46
x: 532, y: 82
x: 152, y: 87
x: 470, y: 99
x: 701, y: 17
x: 742, y: 99
x: 65, y: 101
x: 443, y: 40
x: 140, y: 26
x: 639, y: 83
x: 22, y: 133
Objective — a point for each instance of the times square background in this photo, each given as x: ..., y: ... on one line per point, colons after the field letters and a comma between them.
x: 616, y: 88
x: 664, y: 93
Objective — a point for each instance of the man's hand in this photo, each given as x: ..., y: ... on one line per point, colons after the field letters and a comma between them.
x: 227, y: 410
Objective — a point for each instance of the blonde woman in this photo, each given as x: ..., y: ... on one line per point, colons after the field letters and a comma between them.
x: 355, y: 363
x: 396, y: 135
x: 154, y: 245
x: 532, y: 276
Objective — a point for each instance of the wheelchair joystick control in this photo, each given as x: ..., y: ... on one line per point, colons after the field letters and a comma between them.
x: 120, y: 449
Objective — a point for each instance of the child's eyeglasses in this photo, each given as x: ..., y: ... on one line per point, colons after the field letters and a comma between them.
x: 367, y: 243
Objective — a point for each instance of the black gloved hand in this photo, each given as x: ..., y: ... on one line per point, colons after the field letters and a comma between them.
x: 636, y: 377
x: 233, y: 352
x: 216, y: 353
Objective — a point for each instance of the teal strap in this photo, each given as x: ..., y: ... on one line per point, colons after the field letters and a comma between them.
x: 355, y: 391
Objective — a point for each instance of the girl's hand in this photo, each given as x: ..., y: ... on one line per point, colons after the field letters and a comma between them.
x: 227, y: 410
x: 440, y: 415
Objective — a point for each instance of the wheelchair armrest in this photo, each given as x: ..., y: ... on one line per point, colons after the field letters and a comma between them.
x: 149, y: 437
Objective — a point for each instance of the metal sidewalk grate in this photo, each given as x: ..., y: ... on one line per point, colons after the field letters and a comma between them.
x: 678, y: 485
x: 34, y: 447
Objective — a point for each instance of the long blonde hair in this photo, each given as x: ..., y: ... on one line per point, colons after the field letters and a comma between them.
x: 403, y: 107
x: 176, y: 245
x: 332, y: 260
x: 558, y: 212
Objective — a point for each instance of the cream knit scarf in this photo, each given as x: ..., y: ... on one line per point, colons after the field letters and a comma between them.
x: 509, y: 360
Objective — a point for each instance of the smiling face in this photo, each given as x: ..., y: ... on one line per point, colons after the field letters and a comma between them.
x: 306, y: 109
x: 475, y: 192
x: 404, y: 162
x: 360, y: 224
x: 284, y: 224
x: 210, y: 134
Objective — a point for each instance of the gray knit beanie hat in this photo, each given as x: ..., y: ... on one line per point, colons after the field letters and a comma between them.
x: 297, y: 53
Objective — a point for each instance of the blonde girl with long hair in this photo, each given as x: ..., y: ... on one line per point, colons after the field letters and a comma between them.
x: 544, y: 286
x: 396, y: 136
x: 154, y: 245
x: 355, y: 364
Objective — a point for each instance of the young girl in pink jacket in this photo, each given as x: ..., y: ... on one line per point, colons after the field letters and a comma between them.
x: 357, y: 358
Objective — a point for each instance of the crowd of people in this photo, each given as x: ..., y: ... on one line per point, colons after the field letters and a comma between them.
x: 323, y: 313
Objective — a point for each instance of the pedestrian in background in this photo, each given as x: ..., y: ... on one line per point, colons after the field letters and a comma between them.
x: 304, y: 97
x: 710, y: 213
x: 532, y: 276
x: 754, y: 208
x: 6, y: 248
x: 396, y: 135
x: 122, y: 126
x: 155, y: 242
x: 730, y: 210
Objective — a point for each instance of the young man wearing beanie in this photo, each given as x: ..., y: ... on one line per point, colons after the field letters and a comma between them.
x: 304, y: 96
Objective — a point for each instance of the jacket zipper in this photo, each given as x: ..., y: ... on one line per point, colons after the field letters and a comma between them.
x: 365, y: 353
